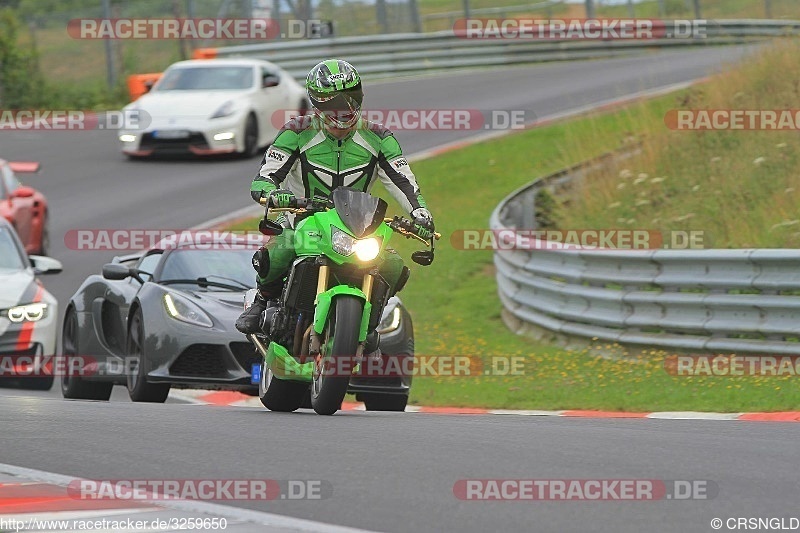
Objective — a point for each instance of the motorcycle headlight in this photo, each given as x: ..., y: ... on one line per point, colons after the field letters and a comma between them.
x: 342, y: 243
x: 367, y: 249
x: 227, y: 109
x: 29, y: 312
x: 182, y: 309
x: 391, y: 322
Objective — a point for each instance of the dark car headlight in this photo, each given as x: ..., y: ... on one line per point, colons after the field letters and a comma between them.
x: 182, y: 309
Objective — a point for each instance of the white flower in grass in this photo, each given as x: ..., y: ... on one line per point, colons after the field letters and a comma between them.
x: 621, y: 220
x: 614, y: 205
x: 625, y: 174
x: 696, y: 188
x: 620, y: 186
x: 640, y: 203
x: 759, y: 160
x: 630, y: 221
x: 716, y: 159
x: 781, y: 145
x: 788, y: 190
x: 659, y: 179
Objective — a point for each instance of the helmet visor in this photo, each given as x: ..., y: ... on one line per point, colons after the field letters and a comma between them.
x: 342, y: 106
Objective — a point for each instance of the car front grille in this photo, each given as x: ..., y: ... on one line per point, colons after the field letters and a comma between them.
x: 246, y: 355
x: 200, y: 360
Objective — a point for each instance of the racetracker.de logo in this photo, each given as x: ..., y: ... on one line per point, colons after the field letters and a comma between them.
x: 163, y: 239
x: 733, y: 119
x: 174, y: 28
x: 733, y: 365
x: 577, y: 239
x: 424, y: 119
x: 199, y: 489
x: 579, y: 29
x: 583, y: 489
x: 72, y: 120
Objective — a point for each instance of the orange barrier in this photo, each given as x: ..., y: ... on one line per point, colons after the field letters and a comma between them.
x: 138, y: 83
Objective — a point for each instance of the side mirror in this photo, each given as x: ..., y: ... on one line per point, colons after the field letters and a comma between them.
x: 148, y: 85
x: 270, y: 80
x: 22, y: 192
x: 45, y: 265
x: 423, y: 257
x: 269, y: 227
x: 24, y: 167
x: 116, y: 271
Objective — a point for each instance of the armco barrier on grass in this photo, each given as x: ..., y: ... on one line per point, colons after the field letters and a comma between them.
x: 699, y: 300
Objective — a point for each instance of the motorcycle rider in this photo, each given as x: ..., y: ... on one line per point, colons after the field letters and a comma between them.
x: 313, y: 155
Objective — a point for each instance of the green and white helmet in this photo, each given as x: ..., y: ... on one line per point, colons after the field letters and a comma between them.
x: 334, y: 89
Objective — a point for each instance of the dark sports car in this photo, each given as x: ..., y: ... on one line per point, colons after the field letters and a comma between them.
x: 165, y: 318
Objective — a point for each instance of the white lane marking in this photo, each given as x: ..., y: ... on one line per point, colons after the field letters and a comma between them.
x: 524, y: 413
x: 235, y: 513
x: 76, y: 515
x: 693, y: 415
x: 244, y: 212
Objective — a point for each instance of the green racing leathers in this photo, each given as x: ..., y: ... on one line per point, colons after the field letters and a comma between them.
x: 308, y: 161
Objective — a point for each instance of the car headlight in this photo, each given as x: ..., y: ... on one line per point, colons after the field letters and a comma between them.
x: 367, y: 249
x: 391, y: 322
x: 30, y: 312
x: 182, y: 309
x: 227, y: 109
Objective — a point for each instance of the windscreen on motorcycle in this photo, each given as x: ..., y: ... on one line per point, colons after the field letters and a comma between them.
x: 360, y: 212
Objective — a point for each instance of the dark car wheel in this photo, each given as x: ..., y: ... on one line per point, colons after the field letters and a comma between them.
x: 138, y: 388
x: 280, y: 395
x: 74, y: 387
x: 250, y: 137
x: 385, y: 402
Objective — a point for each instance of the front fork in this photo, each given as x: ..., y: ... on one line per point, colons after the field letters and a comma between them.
x: 322, y: 285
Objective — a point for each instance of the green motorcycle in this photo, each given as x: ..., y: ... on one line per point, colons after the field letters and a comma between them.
x: 334, y: 294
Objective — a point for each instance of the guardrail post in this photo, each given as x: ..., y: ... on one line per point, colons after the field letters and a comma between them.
x: 590, y: 9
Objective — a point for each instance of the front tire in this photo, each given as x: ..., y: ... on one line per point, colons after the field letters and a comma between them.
x: 341, y: 342
x: 74, y: 387
x: 280, y: 395
x: 250, y: 137
x: 138, y: 388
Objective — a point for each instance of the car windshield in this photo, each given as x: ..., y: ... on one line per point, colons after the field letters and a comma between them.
x: 229, y: 267
x: 10, y: 258
x: 206, y: 79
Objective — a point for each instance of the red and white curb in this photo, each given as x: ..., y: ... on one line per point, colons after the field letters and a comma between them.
x: 237, y: 399
x: 35, y: 500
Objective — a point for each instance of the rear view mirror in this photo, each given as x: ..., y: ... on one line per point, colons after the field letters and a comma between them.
x: 116, y: 271
x: 269, y: 227
x: 45, y: 265
x: 270, y: 80
x: 24, y: 167
x: 423, y: 257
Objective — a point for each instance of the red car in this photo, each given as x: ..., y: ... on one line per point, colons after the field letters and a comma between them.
x: 24, y: 207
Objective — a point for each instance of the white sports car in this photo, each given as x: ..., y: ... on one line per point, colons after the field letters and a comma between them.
x: 213, y: 106
x: 28, y: 314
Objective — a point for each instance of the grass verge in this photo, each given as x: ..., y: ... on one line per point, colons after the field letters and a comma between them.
x: 454, y: 301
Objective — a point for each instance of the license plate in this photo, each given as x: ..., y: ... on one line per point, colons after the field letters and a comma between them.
x: 171, y: 134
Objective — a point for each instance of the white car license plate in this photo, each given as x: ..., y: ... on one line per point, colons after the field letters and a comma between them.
x: 171, y: 134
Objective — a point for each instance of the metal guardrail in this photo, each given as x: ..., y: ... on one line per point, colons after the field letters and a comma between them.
x: 721, y: 301
x: 409, y: 53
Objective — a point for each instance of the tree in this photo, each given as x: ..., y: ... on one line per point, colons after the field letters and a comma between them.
x: 21, y: 83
